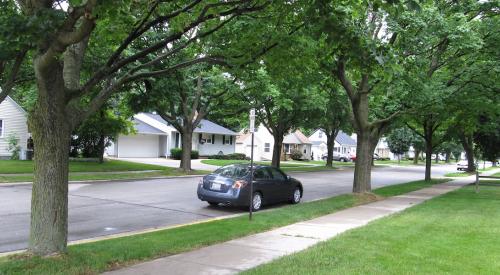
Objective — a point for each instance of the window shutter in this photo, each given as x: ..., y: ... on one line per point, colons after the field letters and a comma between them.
x: 231, y: 140
x: 213, y: 139
x: 223, y: 139
x: 200, y: 137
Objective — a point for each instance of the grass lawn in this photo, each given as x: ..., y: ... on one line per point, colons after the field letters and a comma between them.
x: 26, y: 166
x: 222, y: 162
x: 93, y: 258
x: 110, y: 175
x: 456, y: 233
x: 459, y: 174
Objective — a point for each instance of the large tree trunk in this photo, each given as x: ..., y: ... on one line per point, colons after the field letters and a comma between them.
x: 428, y: 159
x: 51, y: 131
x: 187, y: 143
x: 330, y: 144
x: 102, y: 148
x: 416, y: 156
x: 363, y: 164
x: 278, y: 144
x: 467, y: 143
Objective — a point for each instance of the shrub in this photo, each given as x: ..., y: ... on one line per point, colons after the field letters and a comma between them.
x: 296, y: 154
x: 176, y: 153
x: 235, y: 156
x: 14, y: 147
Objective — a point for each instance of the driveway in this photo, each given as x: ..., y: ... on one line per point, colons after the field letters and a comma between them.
x: 104, y: 208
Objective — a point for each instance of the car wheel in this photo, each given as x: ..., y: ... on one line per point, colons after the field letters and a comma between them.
x: 296, y: 196
x: 343, y: 160
x: 256, y: 201
x: 212, y: 203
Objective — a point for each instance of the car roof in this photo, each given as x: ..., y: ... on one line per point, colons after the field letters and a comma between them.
x: 248, y: 165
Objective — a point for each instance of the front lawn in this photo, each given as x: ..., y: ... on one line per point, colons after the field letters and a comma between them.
x: 166, y: 172
x: 93, y: 258
x: 459, y: 174
x: 26, y: 166
x: 222, y: 162
x: 457, y: 233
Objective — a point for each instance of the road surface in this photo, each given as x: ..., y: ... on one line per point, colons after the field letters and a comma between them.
x: 103, y: 208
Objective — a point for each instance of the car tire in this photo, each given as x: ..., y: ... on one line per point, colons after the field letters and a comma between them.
x: 212, y: 203
x: 296, y: 195
x: 256, y: 201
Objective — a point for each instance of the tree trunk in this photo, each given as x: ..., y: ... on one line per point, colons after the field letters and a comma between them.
x: 437, y: 158
x: 363, y: 164
x: 415, y: 157
x: 278, y: 144
x: 330, y: 144
x: 428, y: 159
x: 187, y: 144
x: 102, y: 147
x: 467, y: 143
x: 51, y: 131
x: 448, y: 157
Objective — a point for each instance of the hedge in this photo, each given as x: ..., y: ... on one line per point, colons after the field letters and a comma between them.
x: 176, y: 153
x: 235, y: 156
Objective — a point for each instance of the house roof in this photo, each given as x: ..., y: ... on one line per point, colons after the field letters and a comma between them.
x: 296, y: 137
x: 144, y: 128
x: 344, y: 139
x: 242, y: 137
x: 205, y: 126
x: 15, y: 104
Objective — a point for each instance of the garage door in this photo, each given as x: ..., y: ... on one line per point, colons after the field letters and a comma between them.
x: 138, y: 146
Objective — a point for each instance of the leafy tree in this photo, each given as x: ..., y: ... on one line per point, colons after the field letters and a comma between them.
x: 82, y: 53
x: 399, y: 141
x: 184, y: 99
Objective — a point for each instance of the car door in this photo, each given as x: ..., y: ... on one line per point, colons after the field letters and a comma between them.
x: 279, y: 184
x: 263, y: 182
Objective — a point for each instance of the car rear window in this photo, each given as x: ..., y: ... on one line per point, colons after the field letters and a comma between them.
x: 232, y: 171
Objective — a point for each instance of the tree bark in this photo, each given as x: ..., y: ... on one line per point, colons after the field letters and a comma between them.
x: 467, y: 143
x: 51, y: 132
x: 102, y: 147
x: 330, y: 144
x: 428, y: 158
x: 363, y: 164
x: 187, y: 143
x: 278, y: 144
x: 416, y: 156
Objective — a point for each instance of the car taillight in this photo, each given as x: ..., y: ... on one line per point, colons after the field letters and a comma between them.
x: 239, y: 184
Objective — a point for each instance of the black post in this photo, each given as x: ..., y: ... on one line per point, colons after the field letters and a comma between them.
x: 251, y: 181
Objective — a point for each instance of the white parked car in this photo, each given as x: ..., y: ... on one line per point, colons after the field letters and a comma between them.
x: 462, y: 165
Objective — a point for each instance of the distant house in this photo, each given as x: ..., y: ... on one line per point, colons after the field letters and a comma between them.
x: 344, y: 144
x: 154, y: 137
x: 264, y: 143
x: 13, y: 122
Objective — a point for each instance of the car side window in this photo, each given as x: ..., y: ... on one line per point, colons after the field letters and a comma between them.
x: 276, y: 174
x: 261, y: 174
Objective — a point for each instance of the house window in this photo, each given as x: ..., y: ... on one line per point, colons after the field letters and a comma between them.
x: 287, y: 148
x: 208, y: 138
x: 267, y: 147
x: 320, y: 134
x: 1, y: 128
x: 227, y: 140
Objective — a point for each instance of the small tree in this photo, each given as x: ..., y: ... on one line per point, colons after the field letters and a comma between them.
x: 13, y: 146
x: 399, y: 141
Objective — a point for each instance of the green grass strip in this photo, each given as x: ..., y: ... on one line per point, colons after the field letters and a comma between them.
x: 96, y: 257
x: 457, y: 233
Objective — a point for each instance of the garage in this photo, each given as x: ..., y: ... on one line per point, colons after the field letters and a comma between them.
x: 138, y: 146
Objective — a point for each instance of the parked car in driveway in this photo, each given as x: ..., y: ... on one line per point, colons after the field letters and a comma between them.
x: 462, y: 165
x: 337, y: 157
x: 230, y: 185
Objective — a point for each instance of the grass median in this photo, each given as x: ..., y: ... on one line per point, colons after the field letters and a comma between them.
x: 456, y: 233
x: 96, y: 257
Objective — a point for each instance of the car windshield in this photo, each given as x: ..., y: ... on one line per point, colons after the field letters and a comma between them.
x: 232, y: 171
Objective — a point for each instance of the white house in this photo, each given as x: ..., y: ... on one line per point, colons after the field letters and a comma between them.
x: 13, y: 122
x: 344, y: 144
x: 154, y: 137
x: 264, y: 143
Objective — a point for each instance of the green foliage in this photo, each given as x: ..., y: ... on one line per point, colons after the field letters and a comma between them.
x: 296, y: 154
x: 13, y: 146
x: 235, y: 156
x: 176, y: 153
x: 400, y: 140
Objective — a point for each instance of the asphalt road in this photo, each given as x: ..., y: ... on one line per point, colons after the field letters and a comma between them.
x: 103, y: 208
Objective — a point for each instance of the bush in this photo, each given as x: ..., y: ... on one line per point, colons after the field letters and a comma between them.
x: 296, y: 155
x: 14, y: 147
x: 235, y: 156
x: 176, y: 153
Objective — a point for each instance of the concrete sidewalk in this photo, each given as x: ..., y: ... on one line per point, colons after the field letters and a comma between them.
x: 241, y: 254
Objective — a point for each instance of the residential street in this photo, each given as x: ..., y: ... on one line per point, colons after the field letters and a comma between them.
x: 112, y: 207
